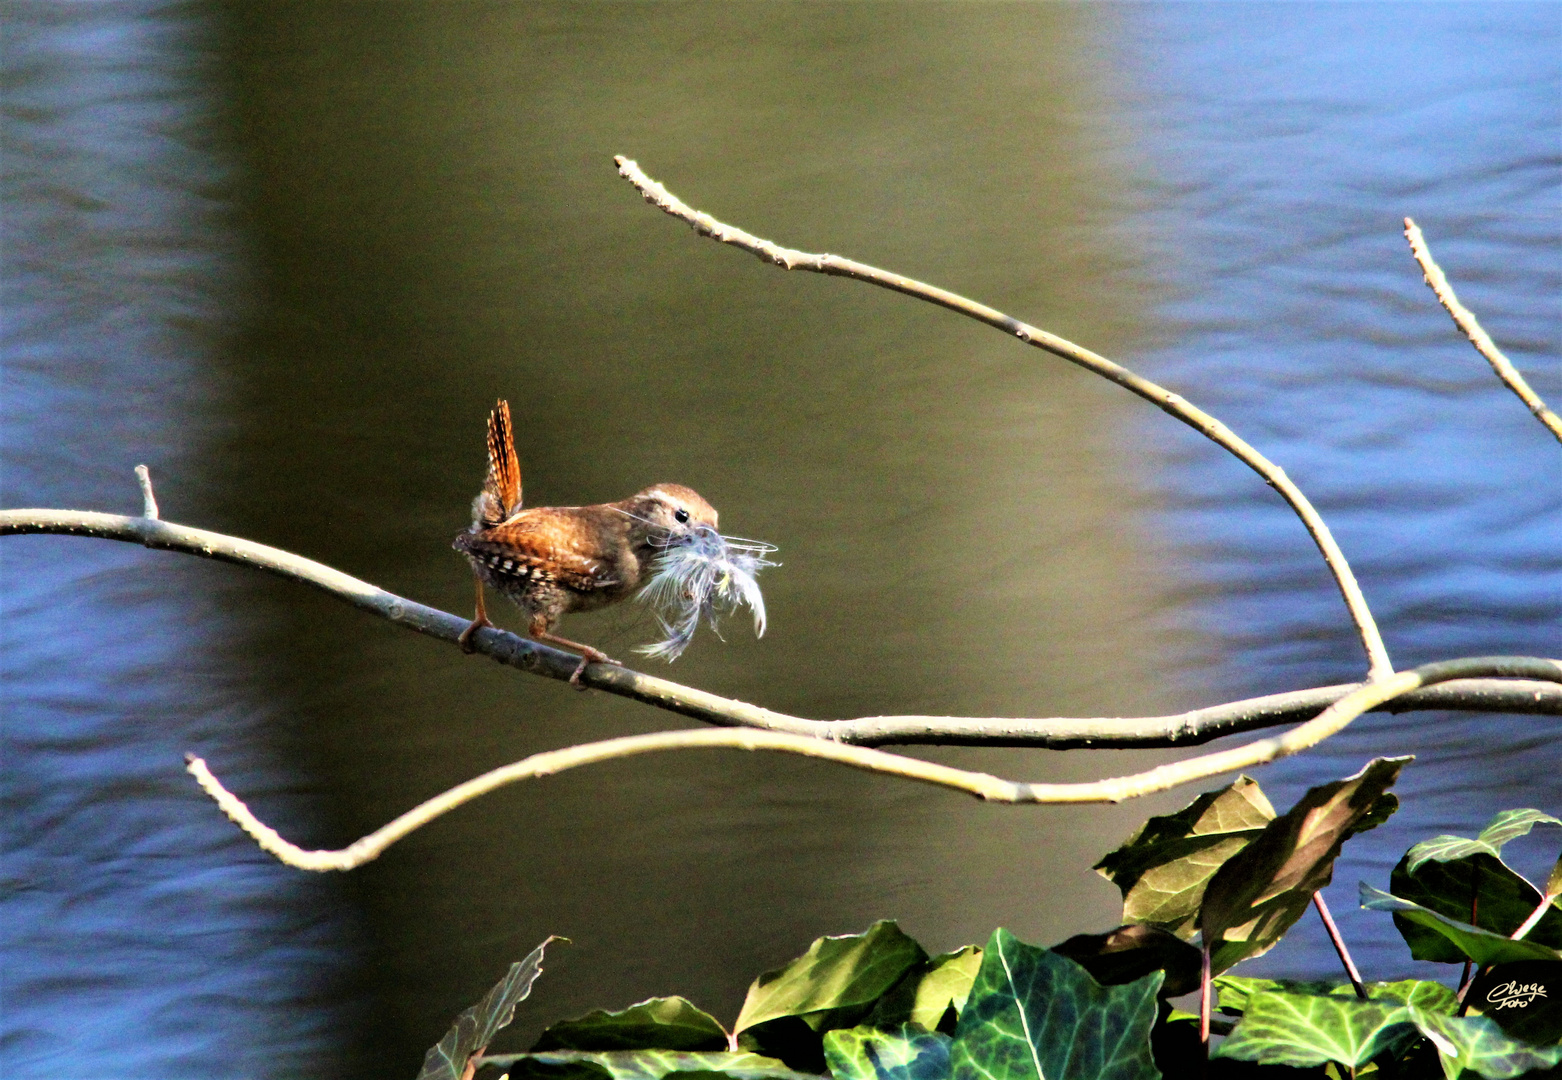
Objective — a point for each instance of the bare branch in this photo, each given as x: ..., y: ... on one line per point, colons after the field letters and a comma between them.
x: 982, y: 785
x: 1379, y: 665
x: 1057, y: 733
x: 1465, y: 320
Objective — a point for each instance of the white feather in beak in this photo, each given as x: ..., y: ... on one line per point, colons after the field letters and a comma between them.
x: 703, y: 575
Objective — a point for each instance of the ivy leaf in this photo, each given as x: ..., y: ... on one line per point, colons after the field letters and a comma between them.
x: 1132, y: 952
x: 640, y: 1065
x: 835, y: 984
x: 1234, y: 991
x: 1467, y: 881
x: 1306, y: 1029
x: 1260, y: 892
x: 835, y: 974
x: 931, y: 994
x: 1477, y: 1044
x: 474, y: 1029
x: 1472, y: 942
x: 1035, y: 1015
x: 1432, y: 997
x: 1500, y: 899
x: 946, y: 988
x: 1424, y: 994
x: 1524, y: 998
x: 1163, y: 868
x: 670, y: 1023
x: 1381, y: 811
x: 1506, y: 825
x: 908, y: 1053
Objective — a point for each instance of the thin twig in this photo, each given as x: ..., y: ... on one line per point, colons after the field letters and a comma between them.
x: 148, y: 500
x: 1465, y: 320
x: 1379, y: 665
x: 982, y: 785
x: 1057, y: 733
x: 1339, y: 945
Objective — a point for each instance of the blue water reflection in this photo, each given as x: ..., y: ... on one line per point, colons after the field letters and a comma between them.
x: 134, y: 944
x: 1273, y: 151
x: 1287, y: 149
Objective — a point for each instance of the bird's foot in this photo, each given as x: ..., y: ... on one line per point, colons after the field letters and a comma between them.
x: 465, y: 640
x: 589, y: 656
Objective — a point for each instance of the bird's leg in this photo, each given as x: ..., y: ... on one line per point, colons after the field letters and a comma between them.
x: 588, y: 654
x: 479, y: 620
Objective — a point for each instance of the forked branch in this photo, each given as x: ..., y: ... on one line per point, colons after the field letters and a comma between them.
x: 982, y: 785
x: 1378, y: 662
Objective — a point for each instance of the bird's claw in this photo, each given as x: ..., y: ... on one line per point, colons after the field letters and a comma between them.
x: 592, y: 657
x: 465, y: 640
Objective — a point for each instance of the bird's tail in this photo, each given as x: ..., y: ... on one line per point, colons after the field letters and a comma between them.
x: 500, y: 498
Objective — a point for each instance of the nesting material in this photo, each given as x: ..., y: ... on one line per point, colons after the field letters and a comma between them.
x: 698, y: 575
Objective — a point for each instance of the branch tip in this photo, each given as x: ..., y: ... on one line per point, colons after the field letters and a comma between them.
x: 148, y: 500
x: 982, y: 785
x: 1378, y: 662
x: 1470, y: 326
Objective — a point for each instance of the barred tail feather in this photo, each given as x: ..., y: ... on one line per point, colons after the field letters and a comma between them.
x: 501, y: 495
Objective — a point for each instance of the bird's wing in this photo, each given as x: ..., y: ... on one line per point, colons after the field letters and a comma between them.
x: 534, y: 550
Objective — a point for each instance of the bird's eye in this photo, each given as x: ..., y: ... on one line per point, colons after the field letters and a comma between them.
x: 681, y: 516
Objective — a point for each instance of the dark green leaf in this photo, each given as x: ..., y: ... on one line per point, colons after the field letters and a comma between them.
x: 1506, y: 825
x: 1500, y: 899
x: 1300, y: 1030
x: 1163, y: 868
x: 931, y: 994
x: 670, y: 1023
x: 1525, y: 999
x: 1261, y: 891
x: 640, y: 1065
x: 476, y: 1027
x: 553, y: 1067
x: 1035, y: 1015
x: 1175, y: 1043
x: 908, y: 1053
x: 1472, y: 942
x: 1477, y: 1044
x: 837, y: 975
x: 1132, y: 952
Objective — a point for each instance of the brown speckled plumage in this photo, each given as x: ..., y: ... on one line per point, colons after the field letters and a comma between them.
x: 552, y: 560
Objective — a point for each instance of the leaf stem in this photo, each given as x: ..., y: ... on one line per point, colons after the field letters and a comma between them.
x: 1339, y: 945
x: 1205, y: 980
x: 1534, y: 917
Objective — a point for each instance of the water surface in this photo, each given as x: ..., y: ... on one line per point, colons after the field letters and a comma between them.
x: 289, y: 254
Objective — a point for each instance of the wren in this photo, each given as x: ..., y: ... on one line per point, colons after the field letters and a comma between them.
x: 553, y: 560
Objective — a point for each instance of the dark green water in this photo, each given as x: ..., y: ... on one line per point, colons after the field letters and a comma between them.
x: 440, y: 223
